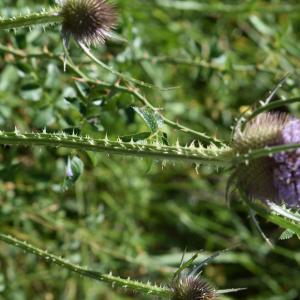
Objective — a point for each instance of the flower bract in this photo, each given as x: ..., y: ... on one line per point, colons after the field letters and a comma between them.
x: 275, y: 178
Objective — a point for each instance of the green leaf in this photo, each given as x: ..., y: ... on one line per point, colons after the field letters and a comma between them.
x: 31, y: 91
x: 287, y: 234
x: 152, y: 119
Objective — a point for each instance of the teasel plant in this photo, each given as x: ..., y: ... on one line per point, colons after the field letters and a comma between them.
x: 88, y: 22
x: 264, y: 143
x: 272, y: 179
x: 188, y: 283
x: 263, y: 156
x: 188, y: 286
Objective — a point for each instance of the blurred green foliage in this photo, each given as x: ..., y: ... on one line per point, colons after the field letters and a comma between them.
x: 131, y: 216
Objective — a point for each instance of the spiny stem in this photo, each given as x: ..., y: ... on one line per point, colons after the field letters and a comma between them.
x: 198, y: 155
x: 135, y: 92
x: 41, y: 18
x: 272, y: 105
x: 115, y: 281
x: 47, y: 17
x: 218, y: 156
x: 108, y: 278
x: 116, y: 86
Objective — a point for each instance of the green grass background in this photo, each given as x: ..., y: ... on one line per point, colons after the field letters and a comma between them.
x: 128, y: 215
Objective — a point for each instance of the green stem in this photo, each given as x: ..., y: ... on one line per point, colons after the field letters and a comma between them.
x: 41, y: 18
x: 134, y: 92
x: 116, y: 86
x: 222, y: 8
x: 108, y: 278
x: 198, y: 62
x: 218, y: 156
x: 266, y: 151
x: 272, y: 105
x: 115, y: 281
x: 110, y: 69
x: 198, y: 155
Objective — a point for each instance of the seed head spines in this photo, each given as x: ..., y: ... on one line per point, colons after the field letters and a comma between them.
x: 87, y: 21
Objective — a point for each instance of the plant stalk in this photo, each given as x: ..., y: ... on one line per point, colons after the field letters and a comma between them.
x: 228, y: 9
x: 198, y: 155
x: 42, y: 18
x: 146, y: 288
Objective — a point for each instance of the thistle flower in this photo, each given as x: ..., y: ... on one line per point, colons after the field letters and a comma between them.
x: 88, y: 21
x: 276, y: 178
x: 192, y: 287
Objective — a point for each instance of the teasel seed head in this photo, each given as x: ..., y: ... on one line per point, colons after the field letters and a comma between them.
x: 192, y: 287
x: 87, y: 21
x: 275, y: 178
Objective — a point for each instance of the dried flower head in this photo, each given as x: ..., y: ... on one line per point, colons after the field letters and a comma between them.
x: 192, y: 287
x: 276, y: 178
x: 88, y: 21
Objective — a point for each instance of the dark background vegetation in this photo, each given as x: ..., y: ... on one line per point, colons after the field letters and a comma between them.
x: 129, y: 215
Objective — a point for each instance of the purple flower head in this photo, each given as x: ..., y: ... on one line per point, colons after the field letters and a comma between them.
x: 88, y: 21
x: 276, y: 178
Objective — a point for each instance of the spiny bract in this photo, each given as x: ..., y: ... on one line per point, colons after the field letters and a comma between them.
x: 88, y: 21
x: 193, y: 288
x: 275, y: 178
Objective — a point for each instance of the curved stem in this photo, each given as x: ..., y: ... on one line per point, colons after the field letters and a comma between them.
x: 41, y: 18
x: 135, y: 92
x: 147, y: 288
x: 198, y: 155
x: 110, y: 69
x: 272, y: 105
x: 116, y: 86
x: 115, y: 281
